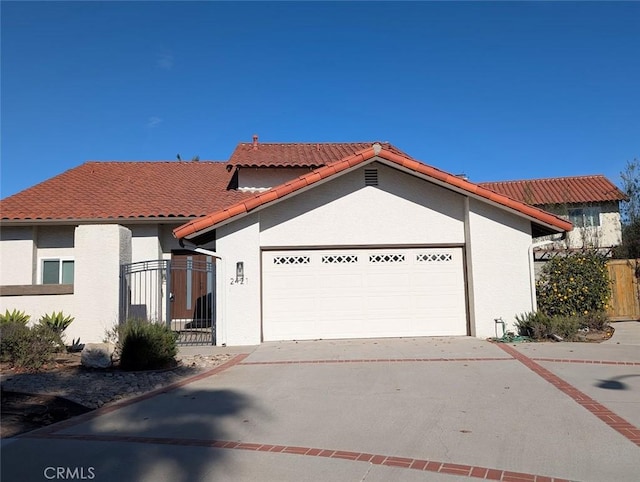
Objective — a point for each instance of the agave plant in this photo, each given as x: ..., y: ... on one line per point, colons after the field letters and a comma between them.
x: 75, y: 346
x: 14, y: 316
x: 58, y: 322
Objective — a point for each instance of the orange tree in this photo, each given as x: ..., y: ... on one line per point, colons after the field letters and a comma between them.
x: 574, y: 285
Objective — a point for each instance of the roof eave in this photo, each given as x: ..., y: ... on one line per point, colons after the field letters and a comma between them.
x: 279, y: 166
x: 116, y: 220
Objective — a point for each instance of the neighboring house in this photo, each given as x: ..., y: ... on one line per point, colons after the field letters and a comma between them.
x: 300, y: 241
x: 591, y: 203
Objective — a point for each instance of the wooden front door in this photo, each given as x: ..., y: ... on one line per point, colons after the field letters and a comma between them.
x: 192, y: 289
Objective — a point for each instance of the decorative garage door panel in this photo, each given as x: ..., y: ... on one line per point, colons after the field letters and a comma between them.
x: 363, y: 293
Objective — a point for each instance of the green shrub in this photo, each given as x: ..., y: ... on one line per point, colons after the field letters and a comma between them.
x: 535, y: 325
x: 28, y: 347
x: 595, y: 321
x: 565, y: 326
x: 572, y: 285
x: 145, y: 345
x: 541, y: 326
x: 14, y: 316
x: 12, y: 335
x: 56, y: 321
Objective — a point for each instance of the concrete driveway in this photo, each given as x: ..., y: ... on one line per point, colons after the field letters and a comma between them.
x: 436, y: 409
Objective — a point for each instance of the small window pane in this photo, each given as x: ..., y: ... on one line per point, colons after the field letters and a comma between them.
x: 51, y: 272
x: 67, y: 272
x: 592, y: 216
x: 585, y: 217
x: 575, y: 216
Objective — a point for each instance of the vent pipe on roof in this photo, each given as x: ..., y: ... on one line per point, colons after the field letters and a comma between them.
x: 255, y: 142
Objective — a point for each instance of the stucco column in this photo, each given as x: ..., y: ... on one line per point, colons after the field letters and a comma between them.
x: 100, y: 250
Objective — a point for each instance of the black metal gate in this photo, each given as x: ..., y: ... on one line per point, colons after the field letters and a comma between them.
x: 179, y: 293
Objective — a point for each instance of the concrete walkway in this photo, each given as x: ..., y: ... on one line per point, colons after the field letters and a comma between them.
x: 626, y: 333
x: 436, y: 409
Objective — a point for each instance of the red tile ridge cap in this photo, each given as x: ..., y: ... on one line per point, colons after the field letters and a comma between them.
x: 136, y: 161
x: 555, y: 178
x: 314, y: 143
x: 353, y: 160
x: 278, y: 165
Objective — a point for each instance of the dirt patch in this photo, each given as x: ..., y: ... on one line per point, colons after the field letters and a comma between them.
x: 60, y: 362
x: 22, y: 412
x: 596, y: 336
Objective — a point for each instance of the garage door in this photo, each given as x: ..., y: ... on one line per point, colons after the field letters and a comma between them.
x: 363, y: 293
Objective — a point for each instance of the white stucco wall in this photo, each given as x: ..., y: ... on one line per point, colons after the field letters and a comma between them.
x: 608, y: 234
x: 499, y: 243
x: 145, y: 244
x: 260, y: 178
x: 611, y: 233
x: 167, y: 241
x: 100, y: 250
x: 400, y: 210
x: 238, y: 305
x: 22, y: 250
x: 37, y: 306
x: 153, y: 241
x: 17, y: 251
x: 53, y: 242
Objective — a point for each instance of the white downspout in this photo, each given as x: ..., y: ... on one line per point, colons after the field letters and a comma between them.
x: 532, y: 273
x: 221, y: 326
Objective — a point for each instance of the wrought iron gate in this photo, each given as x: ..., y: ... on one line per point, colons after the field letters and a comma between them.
x: 179, y: 293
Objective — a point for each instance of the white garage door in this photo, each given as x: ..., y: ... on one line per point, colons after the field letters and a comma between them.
x: 363, y: 293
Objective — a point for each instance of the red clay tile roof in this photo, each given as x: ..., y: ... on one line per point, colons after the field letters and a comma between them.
x: 559, y: 190
x: 108, y: 190
x: 312, y: 154
x: 157, y: 189
x: 245, y: 206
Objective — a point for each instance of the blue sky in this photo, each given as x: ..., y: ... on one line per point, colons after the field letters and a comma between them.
x: 506, y: 90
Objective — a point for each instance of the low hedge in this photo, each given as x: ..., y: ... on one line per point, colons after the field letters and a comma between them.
x: 146, y: 346
x: 28, y: 347
x: 540, y: 326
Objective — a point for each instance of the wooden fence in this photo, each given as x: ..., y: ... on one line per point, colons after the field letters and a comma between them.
x: 625, y: 296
